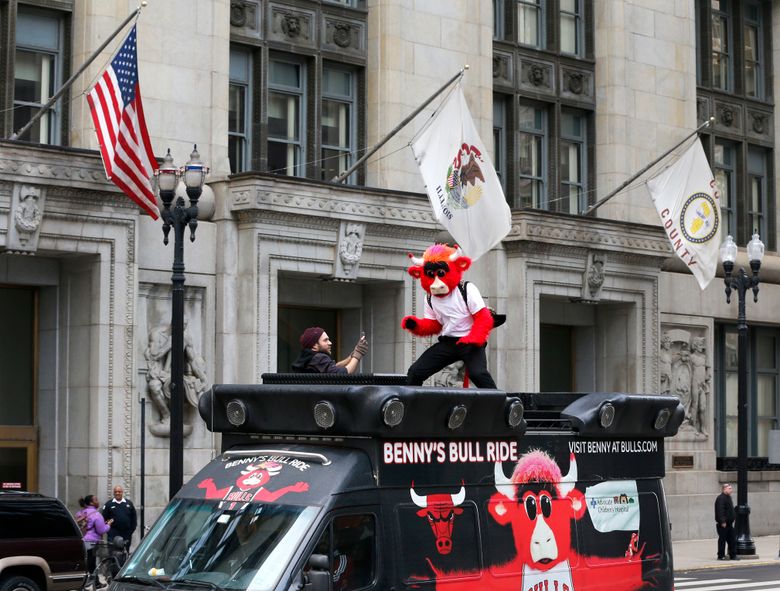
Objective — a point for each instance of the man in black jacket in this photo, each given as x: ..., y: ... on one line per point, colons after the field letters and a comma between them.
x: 119, y: 513
x: 316, y: 350
x: 724, y: 523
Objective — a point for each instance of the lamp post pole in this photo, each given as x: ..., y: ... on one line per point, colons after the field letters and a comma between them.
x: 741, y: 283
x: 178, y: 216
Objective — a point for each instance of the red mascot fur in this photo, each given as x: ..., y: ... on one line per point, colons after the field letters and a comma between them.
x: 453, y: 310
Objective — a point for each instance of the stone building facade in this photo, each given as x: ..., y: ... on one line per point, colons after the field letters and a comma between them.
x: 280, y: 95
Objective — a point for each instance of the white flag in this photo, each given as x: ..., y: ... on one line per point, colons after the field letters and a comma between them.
x: 461, y: 181
x: 689, y: 205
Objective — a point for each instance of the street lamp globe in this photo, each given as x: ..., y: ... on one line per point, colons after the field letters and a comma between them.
x: 167, y: 174
x: 755, y: 249
x: 194, y: 171
x: 728, y: 250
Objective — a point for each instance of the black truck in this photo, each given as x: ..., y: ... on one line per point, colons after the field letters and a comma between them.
x: 357, y: 486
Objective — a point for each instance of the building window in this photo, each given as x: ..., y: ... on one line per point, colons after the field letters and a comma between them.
x: 572, y: 163
x: 286, y: 96
x: 763, y: 389
x: 37, y: 72
x: 337, y: 122
x: 571, y: 27
x: 757, y: 191
x: 721, y: 45
x: 724, y: 172
x: 499, y: 28
x: 753, y: 50
x: 529, y: 22
x: 238, y: 110
x: 499, y: 138
x: 531, y: 148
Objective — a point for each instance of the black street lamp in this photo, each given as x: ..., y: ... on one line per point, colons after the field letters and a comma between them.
x: 178, y: 216
x: 741, y: 283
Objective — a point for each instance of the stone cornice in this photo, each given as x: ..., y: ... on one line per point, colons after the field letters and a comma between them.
x: 587, y: 233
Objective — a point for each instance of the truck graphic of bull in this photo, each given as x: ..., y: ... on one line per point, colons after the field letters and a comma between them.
x: 440, y: 510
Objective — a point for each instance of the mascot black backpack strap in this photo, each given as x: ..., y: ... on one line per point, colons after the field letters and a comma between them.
x: 498, y: 319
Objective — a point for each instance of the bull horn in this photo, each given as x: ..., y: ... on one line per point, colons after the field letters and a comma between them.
x: 459, y: 497
x: 454, y: 256
x: 504, y: 485
x: 567, y: 482
x: 420, y: 501
x: 416, y: 260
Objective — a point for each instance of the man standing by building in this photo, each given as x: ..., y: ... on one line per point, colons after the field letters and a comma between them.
x: 121, y: 512
x: 724, y: 523
x: 316, y: 350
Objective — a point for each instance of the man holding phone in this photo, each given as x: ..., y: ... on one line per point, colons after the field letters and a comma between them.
x: 316, y: 351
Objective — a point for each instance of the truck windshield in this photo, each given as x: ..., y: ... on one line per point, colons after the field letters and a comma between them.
x: 228, y: 545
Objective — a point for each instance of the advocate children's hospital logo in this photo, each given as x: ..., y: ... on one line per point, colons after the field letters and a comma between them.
x: 699, y: 218
x: 462, y: 186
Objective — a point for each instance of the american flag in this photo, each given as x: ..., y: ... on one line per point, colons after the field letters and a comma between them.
x: 118, y: 115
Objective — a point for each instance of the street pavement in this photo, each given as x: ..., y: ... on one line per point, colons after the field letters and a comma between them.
x: 702, y: 554
x: 736, y: 578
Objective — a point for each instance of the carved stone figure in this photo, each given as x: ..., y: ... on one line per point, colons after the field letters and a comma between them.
x: 27, y: 217
x: 350, y: 249
x: 682, y: 371
x: 665, y: 365
x: 451, y: 376
x: 342, y: 34
x: 700, y: 384
x: 158, y: 376
x: 291, y: 25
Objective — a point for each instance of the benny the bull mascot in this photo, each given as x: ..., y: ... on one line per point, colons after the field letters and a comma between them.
x: 455, y: 311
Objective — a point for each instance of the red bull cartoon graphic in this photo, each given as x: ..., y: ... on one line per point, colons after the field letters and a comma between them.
x: 440, y: 510
x: 250, y: 485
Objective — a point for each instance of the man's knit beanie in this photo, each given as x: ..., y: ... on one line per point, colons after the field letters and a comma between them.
x: 310, y: 337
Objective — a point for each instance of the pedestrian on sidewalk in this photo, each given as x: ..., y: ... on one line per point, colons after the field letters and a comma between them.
x: 724, y: 523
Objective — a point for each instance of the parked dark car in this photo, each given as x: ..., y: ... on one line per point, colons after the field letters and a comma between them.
x: 40, y: 544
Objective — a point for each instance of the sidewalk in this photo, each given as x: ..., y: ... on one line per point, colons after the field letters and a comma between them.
x: 698, y: 554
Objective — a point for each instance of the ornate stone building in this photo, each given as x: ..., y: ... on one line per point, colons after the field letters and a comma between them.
x: 282, y: 95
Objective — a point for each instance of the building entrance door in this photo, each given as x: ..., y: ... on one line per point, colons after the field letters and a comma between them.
x: 18, y: 371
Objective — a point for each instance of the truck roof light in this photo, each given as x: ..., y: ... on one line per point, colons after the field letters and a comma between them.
x: 606, y: 415
x: 393, y: 412
x: 456, y: 417
x: 661, y: 419
x: 324, y: 414
x: 514, y: 416
x: 236, y: 413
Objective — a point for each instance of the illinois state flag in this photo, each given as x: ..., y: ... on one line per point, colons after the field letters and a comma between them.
x: 689, y: 205
x: 460, y: 179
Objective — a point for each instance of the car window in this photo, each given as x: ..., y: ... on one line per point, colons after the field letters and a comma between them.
x: 35, y: 518
x: 350, y: 545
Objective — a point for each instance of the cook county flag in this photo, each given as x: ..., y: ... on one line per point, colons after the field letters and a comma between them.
x: 689, y: 205
x: 461, y: 182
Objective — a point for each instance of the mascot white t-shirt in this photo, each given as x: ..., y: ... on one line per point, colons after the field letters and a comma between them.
x: 451, y: 311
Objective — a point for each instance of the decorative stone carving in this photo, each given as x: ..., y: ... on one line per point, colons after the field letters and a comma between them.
x: 350, y: 249
x: 292, y: 26
x: 726, y: 116
x: 702, y: 110
x: 593, y: 277
x: 685, y: 372
x: 237, y: 13
x: 759, y: 122
x: 344, y: 36
x: 451, y: 376
x: 576, y: 82
x: 536, y: 76
x: 26, y: 216
x: 158, y: 377
x: 245, y: 16
x: 502, y: 69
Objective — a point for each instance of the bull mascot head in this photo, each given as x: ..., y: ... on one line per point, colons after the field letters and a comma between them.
x: 540, y: 505
x: 440, y: 269
x: 440, y: 510
x: 256, y: 476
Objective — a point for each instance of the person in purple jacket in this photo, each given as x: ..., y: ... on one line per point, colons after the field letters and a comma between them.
x: 95, y: 526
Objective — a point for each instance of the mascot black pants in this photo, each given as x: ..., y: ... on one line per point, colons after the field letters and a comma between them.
x: 446, y: 351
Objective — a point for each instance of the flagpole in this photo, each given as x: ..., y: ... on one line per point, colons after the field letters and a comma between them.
x: 399, y: 127
x: 72, y: 79
x: 635, y: 176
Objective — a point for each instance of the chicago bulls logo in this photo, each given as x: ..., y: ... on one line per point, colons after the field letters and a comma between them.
x: 440, y: 510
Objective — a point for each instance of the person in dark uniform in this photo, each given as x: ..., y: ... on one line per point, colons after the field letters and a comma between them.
x: 119, y: 512
x: 724, y: 523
